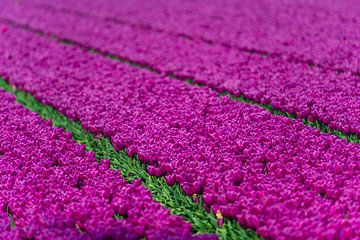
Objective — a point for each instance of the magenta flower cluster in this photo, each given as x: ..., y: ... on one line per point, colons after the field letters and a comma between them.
x: 55, y: 189
x: 308, y: 91
x: 270, y: 173
x: 322, y: 32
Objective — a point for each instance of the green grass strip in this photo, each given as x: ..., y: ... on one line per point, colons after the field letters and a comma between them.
x: 172, y: 197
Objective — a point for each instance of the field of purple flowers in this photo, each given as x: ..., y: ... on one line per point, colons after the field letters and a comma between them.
x: 179, y: 119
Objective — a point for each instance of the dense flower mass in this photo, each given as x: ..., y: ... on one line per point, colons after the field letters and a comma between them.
x: 54, y: 189
x: 317, y: 93
x: 272, y: 174
x: 324, y: 32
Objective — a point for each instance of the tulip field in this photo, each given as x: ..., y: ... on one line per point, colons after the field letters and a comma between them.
x: 177, y: 119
